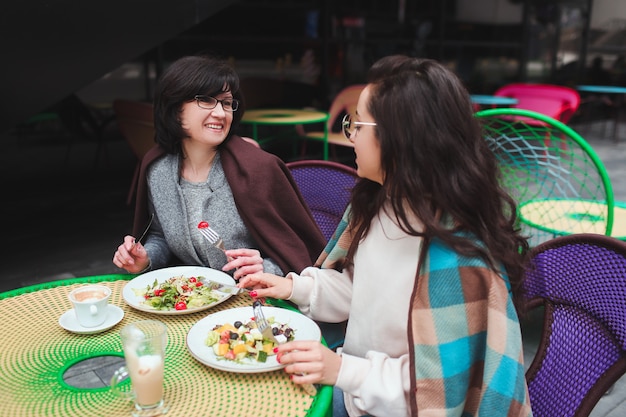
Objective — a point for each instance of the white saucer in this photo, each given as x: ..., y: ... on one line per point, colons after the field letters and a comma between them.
x: 68, y: 321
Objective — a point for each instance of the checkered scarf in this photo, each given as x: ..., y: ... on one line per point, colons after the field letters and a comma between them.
x: 467, y: 347
x: 337, y: 247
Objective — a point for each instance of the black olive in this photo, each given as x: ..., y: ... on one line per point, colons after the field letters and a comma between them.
x: 287, y: 332
x: 234, y: 335
x: 275, y: 331
x: 256, y: 303
x: 238, y: 324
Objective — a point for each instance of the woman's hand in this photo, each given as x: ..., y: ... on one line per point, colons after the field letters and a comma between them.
x: 309, y: 362
x: 267, y: 285
x: 246, y: 261
x: 131, y: 256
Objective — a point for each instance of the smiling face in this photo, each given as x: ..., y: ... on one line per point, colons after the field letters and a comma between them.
x: 366, y: 144
x: 208, y: 126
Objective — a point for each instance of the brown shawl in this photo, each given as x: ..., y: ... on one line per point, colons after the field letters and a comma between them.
x: 268, y: 201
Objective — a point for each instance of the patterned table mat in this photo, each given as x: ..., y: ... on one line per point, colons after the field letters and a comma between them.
x: 35, y: 349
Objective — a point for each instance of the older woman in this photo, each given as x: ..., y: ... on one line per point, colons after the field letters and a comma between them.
x: 201, y: 171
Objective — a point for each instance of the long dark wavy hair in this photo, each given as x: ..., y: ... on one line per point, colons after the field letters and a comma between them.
x: 436, y: 163
x: 181, y: 82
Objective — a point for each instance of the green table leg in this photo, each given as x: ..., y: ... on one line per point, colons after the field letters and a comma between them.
x: 255, y: 134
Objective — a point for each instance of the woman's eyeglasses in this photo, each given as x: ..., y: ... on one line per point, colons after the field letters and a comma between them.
x: 208, y: 102
x: 349, y: 127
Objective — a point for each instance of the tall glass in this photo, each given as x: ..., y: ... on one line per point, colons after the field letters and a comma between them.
x: 144, y: 345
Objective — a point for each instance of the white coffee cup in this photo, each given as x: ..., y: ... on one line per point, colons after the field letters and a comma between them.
x: 91, y: 304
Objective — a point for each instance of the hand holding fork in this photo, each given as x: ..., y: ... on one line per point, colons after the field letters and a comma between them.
x: 266, y: 330
x: 249, y: 260
x: 213, y: 237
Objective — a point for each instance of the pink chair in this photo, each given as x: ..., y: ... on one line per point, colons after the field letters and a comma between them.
x: 251, y: 141
x: 344, y: 102
x: 556, y: 101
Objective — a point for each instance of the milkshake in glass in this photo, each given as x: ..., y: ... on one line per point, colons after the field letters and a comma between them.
x: 144, y: 345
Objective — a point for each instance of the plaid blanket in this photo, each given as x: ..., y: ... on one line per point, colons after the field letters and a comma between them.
x: 337, y: 247
x: 467, y: 347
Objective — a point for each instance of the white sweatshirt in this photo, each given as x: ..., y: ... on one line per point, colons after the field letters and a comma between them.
x: 375, y: 373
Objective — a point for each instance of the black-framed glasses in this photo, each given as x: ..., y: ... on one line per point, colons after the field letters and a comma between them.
x: 348, y: 126
x: 208, y: 102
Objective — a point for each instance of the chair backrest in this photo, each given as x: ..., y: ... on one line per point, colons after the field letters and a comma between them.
x: 135, y: 120
x: 557, y: 179
x: 556, y: 101
x: 580, y: 280
x: 344, y: 103
x: 326, y: 187
x: 251, y: 141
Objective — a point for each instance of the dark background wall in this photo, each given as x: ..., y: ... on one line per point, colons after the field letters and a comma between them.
x: 51, y: 48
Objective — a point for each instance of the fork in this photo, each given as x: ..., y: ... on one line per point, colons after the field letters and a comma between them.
x: 212, y: 237
x: 266, y: 330
x: 145, y: 232
x: 261, y: 323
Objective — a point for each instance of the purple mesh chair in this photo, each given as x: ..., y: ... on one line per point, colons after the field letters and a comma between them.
x: 326, y: 188
x: 580, y: 280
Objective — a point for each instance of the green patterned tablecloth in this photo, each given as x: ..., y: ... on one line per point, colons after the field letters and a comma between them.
x: 35, y: 350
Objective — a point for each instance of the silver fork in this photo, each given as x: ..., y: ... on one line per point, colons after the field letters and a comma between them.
x: 261, y: 323
x: 266, y: 330
x: 212, y: 237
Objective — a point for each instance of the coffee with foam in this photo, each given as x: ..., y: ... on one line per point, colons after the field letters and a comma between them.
x: 89, y: 296
x: 91, y: 304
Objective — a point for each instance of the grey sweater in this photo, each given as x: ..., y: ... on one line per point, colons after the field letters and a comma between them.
x: 180, y: 205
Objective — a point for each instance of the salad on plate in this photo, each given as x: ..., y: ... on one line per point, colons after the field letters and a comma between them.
x: 243, y: 341
x: 204, y: 337
x: 178, y: 293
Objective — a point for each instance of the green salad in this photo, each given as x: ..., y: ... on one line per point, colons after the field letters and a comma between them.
x: 178, y: 293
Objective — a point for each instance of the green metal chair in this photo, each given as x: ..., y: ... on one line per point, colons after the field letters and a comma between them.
x: 556, y: 177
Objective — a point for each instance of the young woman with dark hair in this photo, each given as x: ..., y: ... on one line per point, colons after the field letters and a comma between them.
x: 427, y: 264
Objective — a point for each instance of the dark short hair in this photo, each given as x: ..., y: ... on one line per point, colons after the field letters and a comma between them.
x: 180, y: 82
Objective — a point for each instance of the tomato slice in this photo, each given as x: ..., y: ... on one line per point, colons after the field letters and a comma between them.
x: 203, y: 225
x: 180, y: 305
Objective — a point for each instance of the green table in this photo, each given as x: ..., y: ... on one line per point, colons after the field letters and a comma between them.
x: 285, y: 117
x: 36, y: 351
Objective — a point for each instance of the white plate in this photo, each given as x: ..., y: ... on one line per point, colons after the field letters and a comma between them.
x: 304, y: 329
x: 161, y: 275
x: 69, y: 322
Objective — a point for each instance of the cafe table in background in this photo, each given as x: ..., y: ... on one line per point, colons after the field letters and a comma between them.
x: 614, y: 91
x: 36, y: 352
x: 483, y: 101
x: 291, y: 118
